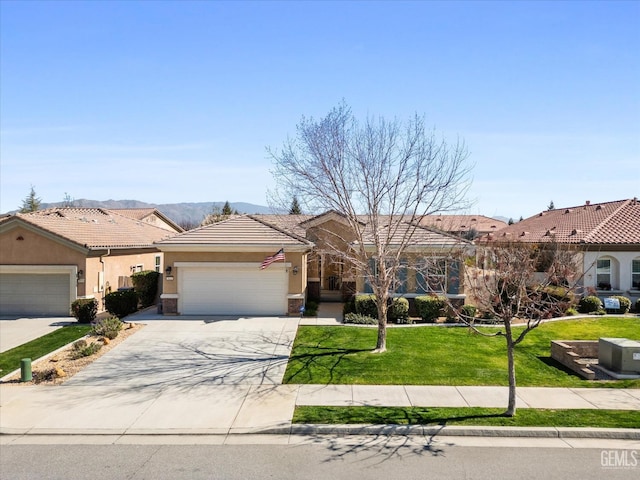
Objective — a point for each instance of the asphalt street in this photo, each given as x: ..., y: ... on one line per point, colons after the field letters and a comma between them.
x: 381, y: 458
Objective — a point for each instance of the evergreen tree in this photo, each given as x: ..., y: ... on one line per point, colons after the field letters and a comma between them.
x: 226, y: 209
x: 31, y: 203
x: 510, y: 222
x: 551, y: 206
x: 295, y: 207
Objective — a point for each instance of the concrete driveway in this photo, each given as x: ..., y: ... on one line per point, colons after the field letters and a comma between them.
x: 15, y: 331
x: 188, y: 352
x: 184, y: 375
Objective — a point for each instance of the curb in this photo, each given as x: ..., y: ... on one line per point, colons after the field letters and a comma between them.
x: 368, y: 430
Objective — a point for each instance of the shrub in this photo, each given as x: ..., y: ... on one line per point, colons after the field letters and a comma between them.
x: 146, y: 286
x: 311, y: 308
x: 625, y: 305
x: 349, y: 305
x: 398, y: 310
x: 107, y: 327
x: 430, y: 307
x: 121, y: 303
x: 82, y: 349
x: 468, y: 312
x: 570, y: 312
x: 359, y: 319
x: 85, y: 309
x: 366, y: 305
x: 638, y: 306
x: 589, y: 304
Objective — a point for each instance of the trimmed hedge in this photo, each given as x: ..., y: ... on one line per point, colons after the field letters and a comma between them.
x: 398, y: 310
x: 85, y: 309
x: 359, y: 319
x: 366, y: 305
x: 145, y: 284
x: 589, y: 304
x: 121, y: 303
x: 468, y: 312
x: 430, y: 307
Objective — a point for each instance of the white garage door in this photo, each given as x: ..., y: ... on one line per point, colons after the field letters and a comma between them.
x: 233, y: 290
x: 35, y: 294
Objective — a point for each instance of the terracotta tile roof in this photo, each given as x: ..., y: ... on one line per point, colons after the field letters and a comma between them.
x: 93, y: 228
x: 609, y: 223
x: 243, y: 230
x: 463, y: 223
x: 422, y: 236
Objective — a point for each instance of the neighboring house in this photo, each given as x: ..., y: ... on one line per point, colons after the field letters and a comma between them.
x: 152, y: 216
x: 214, y: 269
x: 606, y: 235
x: 51, y: 257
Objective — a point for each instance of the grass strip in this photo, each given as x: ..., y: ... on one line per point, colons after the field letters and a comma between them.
x: 446, y: 355
x: 10, y: 360
x: 525, y: 417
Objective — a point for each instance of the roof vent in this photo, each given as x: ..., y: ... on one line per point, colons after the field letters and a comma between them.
x: 541, y: 214
x: 474, y: 219
x: 587, y: 203
x: 599, y: 207
x: 568, y: 210
x: 547, y: 233
x: 438, y: 219
x: 575, y: 231
x: 524, y: 233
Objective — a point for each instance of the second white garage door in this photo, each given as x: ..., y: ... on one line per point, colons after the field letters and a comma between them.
x: 238, y: 289
x: 35, y: 294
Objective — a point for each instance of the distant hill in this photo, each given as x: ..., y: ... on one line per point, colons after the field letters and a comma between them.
x: 180, y: 213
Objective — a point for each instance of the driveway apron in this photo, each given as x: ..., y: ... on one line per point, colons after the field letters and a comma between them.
x: 215, y: 376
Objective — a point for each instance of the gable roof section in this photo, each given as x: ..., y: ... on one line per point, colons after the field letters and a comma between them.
x: 91, y: 228
x: 144, y: 213
x: 241, y: 232
x: 420, y: 237
x: 609, y: 223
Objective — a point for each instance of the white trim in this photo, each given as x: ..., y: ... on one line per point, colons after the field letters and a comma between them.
x: 255, y: 265
x: 266, y: 248
x: 169, y: 295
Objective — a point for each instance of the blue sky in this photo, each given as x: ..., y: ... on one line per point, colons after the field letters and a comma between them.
x: 176, y: 101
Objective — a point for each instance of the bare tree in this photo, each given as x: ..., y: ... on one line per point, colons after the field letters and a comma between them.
x: 524, y: 283
x: 380, y: 177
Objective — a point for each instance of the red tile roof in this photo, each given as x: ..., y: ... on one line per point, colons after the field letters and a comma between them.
x: 93, y: 228
x: 462, y: 223
x: 609, y: 223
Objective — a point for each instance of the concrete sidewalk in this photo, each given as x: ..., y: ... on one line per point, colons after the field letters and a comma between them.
x: 242, y: 409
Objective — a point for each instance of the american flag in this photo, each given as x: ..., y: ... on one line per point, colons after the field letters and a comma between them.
x: 276, y: 257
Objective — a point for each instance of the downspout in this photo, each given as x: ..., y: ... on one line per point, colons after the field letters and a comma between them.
x: 104, y: 289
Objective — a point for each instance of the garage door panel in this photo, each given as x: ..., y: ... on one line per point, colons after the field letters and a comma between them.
x: 34, y: 294
x: 233, y: 291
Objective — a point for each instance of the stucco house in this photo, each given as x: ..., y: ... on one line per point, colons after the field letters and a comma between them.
x: 606, y: 237
x: 51, y: 257
x: 215, y: 269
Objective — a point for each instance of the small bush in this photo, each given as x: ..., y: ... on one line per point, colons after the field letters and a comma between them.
x: 430, y: 307
x: 589, y: 304
x: 82, y: 349
x: 349, y: 306
x: 625, y: 304
x: 107, y: 327
x: 570, y: 312
x: 638, y: 306
x: 121, y: 303
x: 85, y: 309
x: 468, y: 312
x: 359, y: 319
x: 366, y: 305
x: 398, y: 310
x: 311, y: 309
x: 146, y: 286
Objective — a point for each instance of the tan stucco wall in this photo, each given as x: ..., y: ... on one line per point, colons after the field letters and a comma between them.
x: 297, y: 283
x: 37, y: 249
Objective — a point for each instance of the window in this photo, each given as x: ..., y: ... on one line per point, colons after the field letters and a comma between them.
x: 635, y: 274
x: 158, y: 263
x: 431, y: 276
x: 603, y: 274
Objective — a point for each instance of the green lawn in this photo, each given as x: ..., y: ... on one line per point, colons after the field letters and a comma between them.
x: 10, y: 360
x: 525, y: 417
x: 445, y: 355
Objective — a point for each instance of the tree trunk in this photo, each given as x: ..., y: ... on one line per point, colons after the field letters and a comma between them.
x: 381, y: 344
x: 511, y: 406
